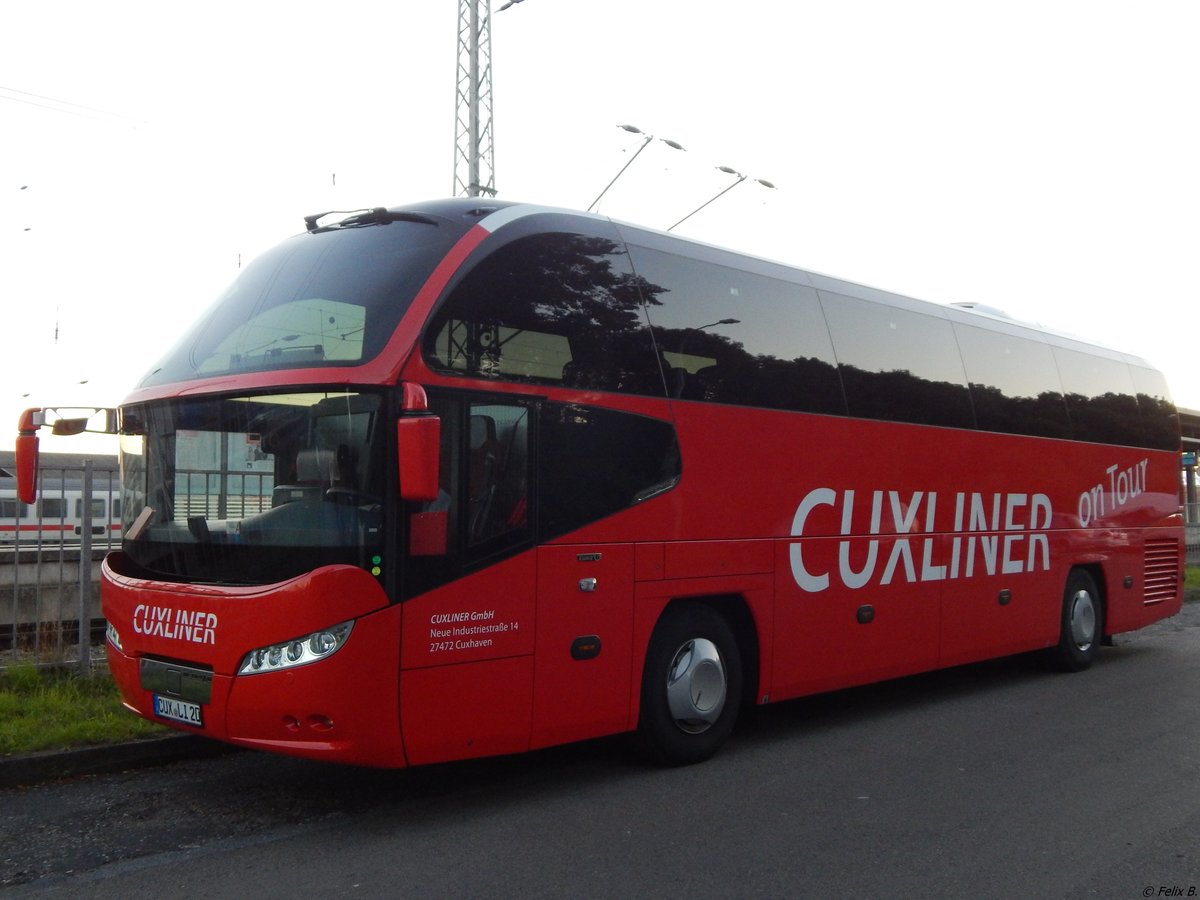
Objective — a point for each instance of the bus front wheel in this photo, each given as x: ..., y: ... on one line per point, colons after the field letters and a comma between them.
x: 1081, y: 627
x: 691, y: 686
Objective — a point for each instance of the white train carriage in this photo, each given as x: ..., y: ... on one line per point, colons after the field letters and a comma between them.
x: 57, y: 515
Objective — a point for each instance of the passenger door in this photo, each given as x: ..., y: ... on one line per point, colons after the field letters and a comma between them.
x: 470, y: 580
x: 584, y: 642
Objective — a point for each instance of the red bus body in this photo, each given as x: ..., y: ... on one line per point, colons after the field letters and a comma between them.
x: 835, y: 548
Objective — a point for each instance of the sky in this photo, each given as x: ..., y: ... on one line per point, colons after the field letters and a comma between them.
x: 1037, y: 157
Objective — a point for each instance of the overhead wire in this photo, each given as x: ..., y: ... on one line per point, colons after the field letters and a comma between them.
x: 66, y: 106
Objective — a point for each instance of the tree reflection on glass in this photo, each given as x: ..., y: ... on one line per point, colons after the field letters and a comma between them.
x: 552, y: 307
x: 576, y: 310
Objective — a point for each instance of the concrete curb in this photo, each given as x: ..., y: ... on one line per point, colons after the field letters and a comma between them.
x: 52, y: 765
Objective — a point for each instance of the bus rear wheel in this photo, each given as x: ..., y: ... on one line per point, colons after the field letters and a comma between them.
x: 691, y: 686
x: 1081, y: 627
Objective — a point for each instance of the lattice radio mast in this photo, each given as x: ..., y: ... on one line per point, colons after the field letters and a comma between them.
x: 474, y: 153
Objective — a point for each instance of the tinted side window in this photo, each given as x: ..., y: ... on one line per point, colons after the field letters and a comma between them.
x: 481, y: 514
x: 594, y: 462
x: 1100, y: 398
x: 497, y: 473
x: 554, y: 308
x: 1160, y: 421
x: 731, y: 336
x: 52, y: 508
x: 896, y: 364
x: 588, y: 463
x: 1014, y: 383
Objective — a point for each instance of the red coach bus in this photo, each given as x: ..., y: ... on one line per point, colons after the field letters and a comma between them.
x: 454, y: 479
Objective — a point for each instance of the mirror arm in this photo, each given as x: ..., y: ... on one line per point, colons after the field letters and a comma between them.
x: 27, y: 439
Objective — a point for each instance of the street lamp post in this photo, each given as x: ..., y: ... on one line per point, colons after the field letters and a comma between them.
x: 719, y: 322
x: 25, y: 187
x: 721, y: 193
x: 632, y: 129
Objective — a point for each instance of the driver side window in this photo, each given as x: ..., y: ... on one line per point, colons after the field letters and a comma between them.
x: 497, y: 472
x: 482, y: 508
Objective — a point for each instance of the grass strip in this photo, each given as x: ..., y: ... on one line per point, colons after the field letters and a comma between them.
x: 1191, y: 578
x: 54, y: 710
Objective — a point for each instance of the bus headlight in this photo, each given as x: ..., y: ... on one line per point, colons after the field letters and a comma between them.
x: 298, y: 651
x: 113, y: 636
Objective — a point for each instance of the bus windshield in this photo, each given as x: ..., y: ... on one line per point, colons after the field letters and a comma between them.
x: 252, y: 489
x: 319, y: 299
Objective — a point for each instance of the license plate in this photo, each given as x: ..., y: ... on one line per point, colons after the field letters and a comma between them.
x: 178, y: 711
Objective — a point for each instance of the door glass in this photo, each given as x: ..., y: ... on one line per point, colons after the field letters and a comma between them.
x: 497, y: 465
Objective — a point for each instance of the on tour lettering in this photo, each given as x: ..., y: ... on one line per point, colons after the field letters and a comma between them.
x: 987, y: 534
x: 1120, y: 486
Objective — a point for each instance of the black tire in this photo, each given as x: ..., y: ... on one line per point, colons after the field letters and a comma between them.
x: 1081, y: 624
x: 691, y: 686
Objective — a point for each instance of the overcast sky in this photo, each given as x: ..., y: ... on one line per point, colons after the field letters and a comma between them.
x: 1040, y: 157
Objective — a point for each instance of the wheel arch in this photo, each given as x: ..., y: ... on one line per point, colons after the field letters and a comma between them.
x: 735, y: 609
x: 1082, y: 620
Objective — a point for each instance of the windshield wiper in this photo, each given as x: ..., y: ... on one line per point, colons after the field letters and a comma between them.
x: 356, y: 218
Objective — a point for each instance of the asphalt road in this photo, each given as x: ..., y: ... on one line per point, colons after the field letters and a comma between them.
x: 996, y: 780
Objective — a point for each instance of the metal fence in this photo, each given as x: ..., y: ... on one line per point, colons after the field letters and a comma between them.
x: 222, y: 493
x: 49, y: 554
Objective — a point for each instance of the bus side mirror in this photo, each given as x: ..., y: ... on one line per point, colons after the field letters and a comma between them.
x: 62, y: 422
x: 419, y: 445
x: 27, y: 455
